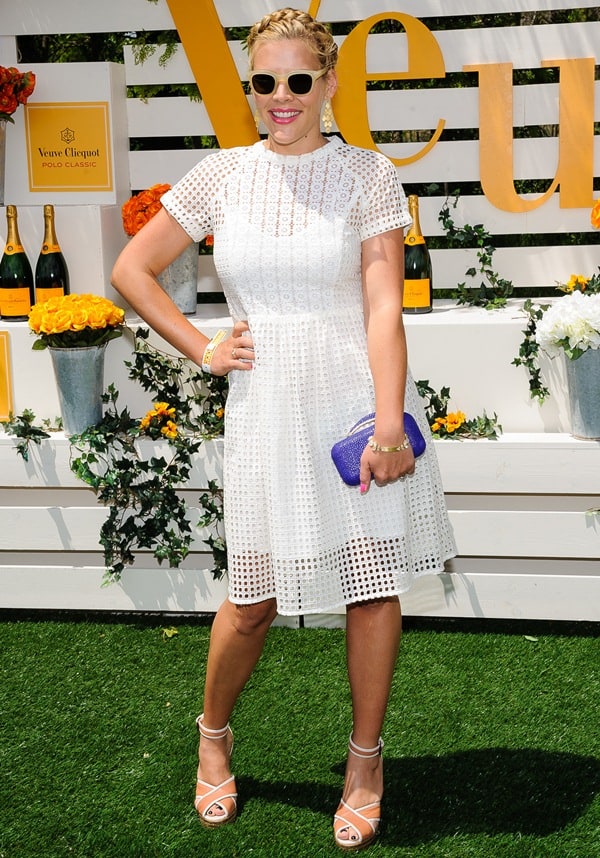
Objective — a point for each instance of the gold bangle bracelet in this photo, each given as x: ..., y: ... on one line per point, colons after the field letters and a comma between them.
x: 379, y: 449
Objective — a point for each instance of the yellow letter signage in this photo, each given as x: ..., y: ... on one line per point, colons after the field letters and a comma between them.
x: 425, y: 60
x: 218, y: 79
x: 215, y: 73
x: 575, y: 170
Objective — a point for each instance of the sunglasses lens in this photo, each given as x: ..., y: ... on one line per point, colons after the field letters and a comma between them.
x: 300, y: 83
x: 262, y: 83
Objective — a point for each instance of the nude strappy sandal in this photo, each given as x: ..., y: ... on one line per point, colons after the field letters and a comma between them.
x: 209, y: 797
x: 361, y: 823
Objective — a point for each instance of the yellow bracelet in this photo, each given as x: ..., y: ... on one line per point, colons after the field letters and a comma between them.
x: 379, y: 449
x: 210, y: 349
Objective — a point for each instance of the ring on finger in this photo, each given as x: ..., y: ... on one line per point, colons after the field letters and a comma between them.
x: 233, y: 354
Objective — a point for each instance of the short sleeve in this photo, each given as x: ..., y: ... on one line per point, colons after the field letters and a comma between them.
x: 191, y: 200
x: 384, y: 205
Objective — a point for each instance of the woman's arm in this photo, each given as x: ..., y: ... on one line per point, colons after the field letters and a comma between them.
x: 383, y: 277
x: 134, y: 276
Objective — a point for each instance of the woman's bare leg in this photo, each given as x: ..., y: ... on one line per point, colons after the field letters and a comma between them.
x: 372, y: 639
x: 236, y: 643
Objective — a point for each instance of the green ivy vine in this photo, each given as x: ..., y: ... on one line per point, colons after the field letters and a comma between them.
x: 140, y: 486
x: 493, y: 290
x: 529, y: 351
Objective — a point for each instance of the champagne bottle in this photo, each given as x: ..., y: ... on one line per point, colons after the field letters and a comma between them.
x: 16, y: 279
x: 418, y: 281
x: 51, y: 273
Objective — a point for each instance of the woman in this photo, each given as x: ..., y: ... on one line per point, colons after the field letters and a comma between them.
x: 309, y: 248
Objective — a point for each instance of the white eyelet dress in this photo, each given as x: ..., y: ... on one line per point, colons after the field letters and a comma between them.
x: 288, y: 232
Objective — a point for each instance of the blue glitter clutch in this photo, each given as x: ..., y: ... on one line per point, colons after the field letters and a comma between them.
x: 347, y: 452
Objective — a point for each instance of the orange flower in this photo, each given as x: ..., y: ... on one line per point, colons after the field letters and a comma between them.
x: 455, y: 420
x: 169, y: 430
x: 577, y: 282
x: 161, y: 413
x: 15, y: 89
x: 141, y: 208
x: 8, y: 101
x: 451, y: 422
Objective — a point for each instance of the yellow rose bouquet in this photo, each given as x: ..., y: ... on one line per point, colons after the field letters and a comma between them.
x: 75, y: 321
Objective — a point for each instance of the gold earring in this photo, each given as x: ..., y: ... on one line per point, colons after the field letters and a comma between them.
x: 327, y: 117
x: 256, y: 117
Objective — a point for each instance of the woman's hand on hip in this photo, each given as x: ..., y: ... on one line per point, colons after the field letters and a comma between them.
x: 235, y: 352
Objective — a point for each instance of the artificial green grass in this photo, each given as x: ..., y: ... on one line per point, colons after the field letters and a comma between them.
x: 492, y: 744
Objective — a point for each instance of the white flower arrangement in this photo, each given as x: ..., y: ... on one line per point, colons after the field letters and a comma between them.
x: 571, y: 325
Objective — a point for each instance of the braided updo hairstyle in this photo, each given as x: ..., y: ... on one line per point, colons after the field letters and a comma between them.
x: 293, y: 24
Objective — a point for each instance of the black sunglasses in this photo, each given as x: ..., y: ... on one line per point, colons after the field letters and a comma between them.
x: 298, y: 82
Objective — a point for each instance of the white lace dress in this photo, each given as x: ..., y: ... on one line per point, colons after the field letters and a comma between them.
x: 288, y: 232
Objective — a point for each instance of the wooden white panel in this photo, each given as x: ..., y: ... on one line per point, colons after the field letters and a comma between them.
x: 534, y: 597
x: 498, y: 595
x: 457, y: 333
x: 162, y: 166
x: 72, y: 16
x: 167, y: 117
x: 177, y: 69
x: 450, y: 161
x: 418, y: 109
x: 66, y: 528
x: 48, y: 464
x: 523, y: 502
x: 458, y: 161
x: 481, y: 533
x: 81, y: 589
x: 524, y: 266
x: 517, y: 463
x: 489, y: 381
x: 528, y: 463
x: 66, y: 588
x: 547, y: 217
x: 8, y: 51
x: 207, y: 276
x: 356, y: 10
x: 526, y: 534
x: 421, y: 109
x: 524, y: 47
x: 474, y: 595
x: 493, y: 596
x: 30, y: 17
x: 544, y: 568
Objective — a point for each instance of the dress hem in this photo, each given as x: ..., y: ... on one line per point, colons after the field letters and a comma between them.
x: 328, y: 609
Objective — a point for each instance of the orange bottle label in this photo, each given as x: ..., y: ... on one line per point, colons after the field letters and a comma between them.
x: 50, y: 248
x: 42, y: 293
x: 11, y: 249
x: 416, y: 293
x: 14, y: 302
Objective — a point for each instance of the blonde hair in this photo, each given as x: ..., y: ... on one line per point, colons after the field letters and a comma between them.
x: 293, y: 24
